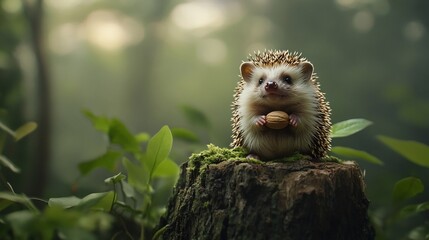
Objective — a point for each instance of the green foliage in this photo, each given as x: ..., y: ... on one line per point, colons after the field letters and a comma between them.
x: 70, y: 218
x: 407, y: 188
x: 54, y: 222
x: 400, y: 212
x: 413, y: 209
x: 17, y: 135
x: 413, y: 151
x: 5, y: 162
x: 21, y: 132
x: 349, y: 127
x: 404, y: 190
x: 130, y: 200
x: 134, y: 191
x: 9, y: 198
x: 21, y: 219
x: 353, y: 153
x: 24, y: 130
x: 94, y: 201
x: 158, y: 149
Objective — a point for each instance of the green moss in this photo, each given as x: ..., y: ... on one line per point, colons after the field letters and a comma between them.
x: 214, y: 154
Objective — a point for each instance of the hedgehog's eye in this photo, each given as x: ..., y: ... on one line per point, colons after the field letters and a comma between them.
x: 287, y: 79
x: 261, y: 80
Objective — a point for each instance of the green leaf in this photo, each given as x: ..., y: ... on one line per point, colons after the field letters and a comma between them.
x: 184, y: 134
x: 22, y: 223
x: 107, y: 160
x: 167, y: 168
x: 128, y: 190
x: 72, y: 223
x: 158, y: 149
x: 413, y: 209
x: 5, y: 162
x: 58, y: 216
x: 96, y: 220
x: 353, y: 153
x: 100, y: 123
x: 4, y: 204
x: 420, y: 232
x: 413, y: 151
x: 18, y: 198
x: 407, y: 188
x: 99, y: 201
x: 64, y: 202
x: 115, y: 179
x: 138, y: 176
x: 24, y: 130
x: 119, y: 134
x: 349, y: 127
x: 195, y: 116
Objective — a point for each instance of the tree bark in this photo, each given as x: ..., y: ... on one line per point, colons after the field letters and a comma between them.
x: 243, y: 200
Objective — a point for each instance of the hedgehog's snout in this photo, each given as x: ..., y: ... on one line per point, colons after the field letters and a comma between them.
x: 271, y: 86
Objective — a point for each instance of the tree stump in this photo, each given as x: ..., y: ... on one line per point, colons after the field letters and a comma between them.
x: 273, y: 200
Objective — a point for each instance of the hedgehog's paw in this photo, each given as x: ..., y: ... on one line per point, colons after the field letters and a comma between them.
x: 252, y: 155
x: 261, y: 120
x: 293, y: 120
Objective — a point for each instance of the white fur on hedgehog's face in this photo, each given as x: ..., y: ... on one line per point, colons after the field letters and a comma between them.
x: 277, y: 84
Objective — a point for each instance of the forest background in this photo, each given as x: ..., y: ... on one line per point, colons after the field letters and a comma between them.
x: 146, y: 62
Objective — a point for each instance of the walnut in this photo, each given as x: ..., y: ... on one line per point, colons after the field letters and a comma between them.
x: 277, y: 120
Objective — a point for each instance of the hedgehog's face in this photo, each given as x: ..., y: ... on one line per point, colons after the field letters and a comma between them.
x: 272, y: 84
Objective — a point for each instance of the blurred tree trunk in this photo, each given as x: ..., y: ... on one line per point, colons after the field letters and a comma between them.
x: 144, y: 59
x: 11, y: 95
x: 299, y: 200
x: 40, y: 167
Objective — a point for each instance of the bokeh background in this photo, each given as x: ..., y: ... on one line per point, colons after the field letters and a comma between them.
x: 142, y: 61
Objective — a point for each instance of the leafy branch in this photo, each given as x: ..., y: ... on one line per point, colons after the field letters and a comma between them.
x: 134, y: 190
x: 17, y: 135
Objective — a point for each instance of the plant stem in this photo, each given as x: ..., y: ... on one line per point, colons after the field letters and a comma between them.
x: 142, y: 232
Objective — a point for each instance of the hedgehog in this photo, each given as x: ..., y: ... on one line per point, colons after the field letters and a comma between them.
x: 276, y: 80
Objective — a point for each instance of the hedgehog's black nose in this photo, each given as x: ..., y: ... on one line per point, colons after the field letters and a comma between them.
x: 270, y: 85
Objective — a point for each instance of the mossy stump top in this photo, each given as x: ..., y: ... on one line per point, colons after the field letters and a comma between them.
x: 237, y: 198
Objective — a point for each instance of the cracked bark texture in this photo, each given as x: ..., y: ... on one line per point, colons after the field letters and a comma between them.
x: 240, y: 200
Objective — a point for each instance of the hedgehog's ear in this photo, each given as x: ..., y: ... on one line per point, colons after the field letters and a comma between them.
x: 307, y: 70
x: 246, y: 70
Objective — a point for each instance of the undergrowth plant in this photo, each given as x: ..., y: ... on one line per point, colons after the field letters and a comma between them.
x: 401, y: 210
x: 127, y: 211
x: 16, y: 135
x: 133, y: 192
